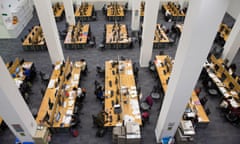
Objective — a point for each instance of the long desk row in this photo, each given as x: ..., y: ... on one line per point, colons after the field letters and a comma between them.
x: 77, y: 36
x: 117, y: 36
x: 115, y: 12
x: 164, y: 67
x: 160, y: 38
x: 224, y: 31
x: 142, y: 7
x: 227, y: 85
x: 121, y: 99
x: 58, y: 102
x: 84, y: 12
x: 34, y: 40
x: 175, y: 12
x: 225, y: 82
x: 58, y: 10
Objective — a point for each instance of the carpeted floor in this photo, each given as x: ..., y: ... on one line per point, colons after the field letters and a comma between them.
x: 219, y: 131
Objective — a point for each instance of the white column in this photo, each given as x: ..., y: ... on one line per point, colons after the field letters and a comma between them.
x: 130, y: 5
x: 78, y: 2
x: 135, y: 15
x: 200, y: 28
x: 49, y: 27
x: 233, y: 42
x: 69, y: 12
x: 149, y: 26
x: 13, y: 108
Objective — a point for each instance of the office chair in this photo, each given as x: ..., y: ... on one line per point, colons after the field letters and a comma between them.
x: 75, y: 121
x: 203, y: 100
x: 100, y: 72
x: 210, y: 87
x: 155, y: 93
x: 207, y: 110
x: 21, y: 62
x: 44, y: 77
x: 96, y: 84
x: 43, y: 91
x: 152, y: 69
x: 135, y: 71
x: 147, y: 103
x: 145, y: 117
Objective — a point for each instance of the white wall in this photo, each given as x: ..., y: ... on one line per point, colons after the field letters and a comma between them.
x: 233, y: 8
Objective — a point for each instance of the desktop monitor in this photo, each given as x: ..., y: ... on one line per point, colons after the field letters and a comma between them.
x: 231, y: 85
x: 68, y: 76
x: 56, y: 93
x: 58, y: 116
x: 216, y: 67
x: 112, y: 93
x: 116, y: 80
x: 10, y: 64
x: 117, y: 109
x: 50, y: 104
x: 168, y: 70
x: 46, y: 117
x: 223, y: 77
x: 60, y: 101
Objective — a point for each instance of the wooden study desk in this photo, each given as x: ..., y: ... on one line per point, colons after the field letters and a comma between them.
x: 84, y: 12
x: 226, y: 83
x: 142, y: 7
x: 58, y: 10
x: 121, y: 92
x: 1, y: 120
x: 77, y: 36
x: 18, y: 75
x: 164, y: 67
x: 115, y: 12
x: 160, y: 38
x: 228, y: 87
x: 59, y: 99
x: 117, y: 36
x: 224, y: 31
x: 34, y: 40
x: 176, y: 13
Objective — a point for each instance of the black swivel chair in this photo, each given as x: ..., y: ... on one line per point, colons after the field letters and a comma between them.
x: 203, y: 101
x: 100, y: 72
x: 44, y: 77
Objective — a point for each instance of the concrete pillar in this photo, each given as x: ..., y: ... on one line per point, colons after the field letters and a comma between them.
x: 130, y: 5
x: 135, y: 25
x: 50, y: 31
x: 78, y: 2
x: 200, y: 28
x: 149, y: 26
x: 13, y: 108
x: 69, y: 12
x: 233, y: 42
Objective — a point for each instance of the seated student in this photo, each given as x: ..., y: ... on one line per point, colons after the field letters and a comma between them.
x: 84, y: 65
x: 27, y: 72
x: 232, y: 69
x: 99, y: 93
x: 145, y: 117
x: 149, y: 101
